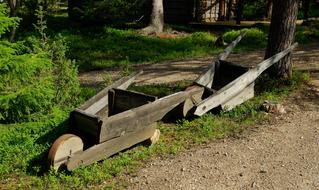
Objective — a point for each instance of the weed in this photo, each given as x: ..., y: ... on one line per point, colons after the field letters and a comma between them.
x: 107, y: 79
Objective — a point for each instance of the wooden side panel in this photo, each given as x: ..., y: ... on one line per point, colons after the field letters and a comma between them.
x: 109, y: 148
x: 99, y: 101
x: 131, y: 120
x: 123, y: 100
x: 206, y: 79
x: 225, y: 73
x: 85, y: 125
x: 243, y: 96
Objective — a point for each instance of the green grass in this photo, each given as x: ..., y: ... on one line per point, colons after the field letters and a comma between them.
x: 24, y: 146
x: 113, y: 47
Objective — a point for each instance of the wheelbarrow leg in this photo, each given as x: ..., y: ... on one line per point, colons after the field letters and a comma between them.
x: 153, y: 139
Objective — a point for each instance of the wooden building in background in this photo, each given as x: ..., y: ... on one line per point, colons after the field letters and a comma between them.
x: 184, y: 11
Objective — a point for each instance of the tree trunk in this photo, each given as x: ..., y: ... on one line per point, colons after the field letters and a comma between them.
x: 14, y: 7
x: 306, y: 6
x: 221, y: 14
x: 240, y: 7
x: 281, y: 36
x: 229, y: 9
x: 157, y: 19
x: 269, y: 9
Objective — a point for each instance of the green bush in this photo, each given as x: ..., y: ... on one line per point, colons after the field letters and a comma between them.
x: 5, y: 21
x: 306, y: 34
x: 255, y: 38
x: 107, y: 11
x: 33, y: 81
x: 26, y: 85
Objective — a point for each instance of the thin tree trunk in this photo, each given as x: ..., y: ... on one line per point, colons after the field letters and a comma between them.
x: 221, y: 14
x: 229, y: 9
x: 269, y: 9
x: 281, y: 36
x: 157, y: 18
x: 14, y: 7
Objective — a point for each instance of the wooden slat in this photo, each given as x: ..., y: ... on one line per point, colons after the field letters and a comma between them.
x: 99, y: 101
x: 123, y: 100
x: 235, y: 87
x: 206, y: 79
x: 243, y: 96
x: 132, y: 120
x: 109, y: 148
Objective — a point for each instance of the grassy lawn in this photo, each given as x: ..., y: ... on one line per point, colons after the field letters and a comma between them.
x: 24, y: 146
x: 109, y: 48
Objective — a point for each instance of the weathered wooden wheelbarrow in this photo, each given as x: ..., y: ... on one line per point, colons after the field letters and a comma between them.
x: 225, y: 85
x: 113, y: 120
x: 116, y: 119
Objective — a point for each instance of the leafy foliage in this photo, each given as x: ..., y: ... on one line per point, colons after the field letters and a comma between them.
x: 5, y: 21
x: 33, y: 81
x: 107, y: 11
x: 26, y: 85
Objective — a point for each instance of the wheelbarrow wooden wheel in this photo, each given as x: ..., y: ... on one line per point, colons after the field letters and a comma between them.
x: 63, y: 148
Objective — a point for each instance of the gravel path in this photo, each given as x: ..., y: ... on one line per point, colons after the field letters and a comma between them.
x: 281, y: 155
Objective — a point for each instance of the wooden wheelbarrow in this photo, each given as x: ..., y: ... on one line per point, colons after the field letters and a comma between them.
x: 116, y: 119
x: 113, y: 120
x: 229, y: 84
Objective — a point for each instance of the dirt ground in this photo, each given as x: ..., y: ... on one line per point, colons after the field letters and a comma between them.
x: 281, y: 154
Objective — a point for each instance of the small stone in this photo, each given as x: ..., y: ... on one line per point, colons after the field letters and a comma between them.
x: 263, y: 171
x: 183, y: 169
x: 253, y: 184
x: 241, y: 174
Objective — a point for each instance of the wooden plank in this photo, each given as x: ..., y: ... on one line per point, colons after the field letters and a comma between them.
x: 243, y: 96
x: 99, y: 101
x: 206, y: 79
x: 109, y: 148
x: 132, y: 120
x: 235, y: 87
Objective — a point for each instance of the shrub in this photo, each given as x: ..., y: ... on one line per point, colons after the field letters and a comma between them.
x: 26, y: 86
x: 306, y: 34
x: 33, y: 81
x: 5, y: 21
x: 254, y: 37
x: 107, y: 11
